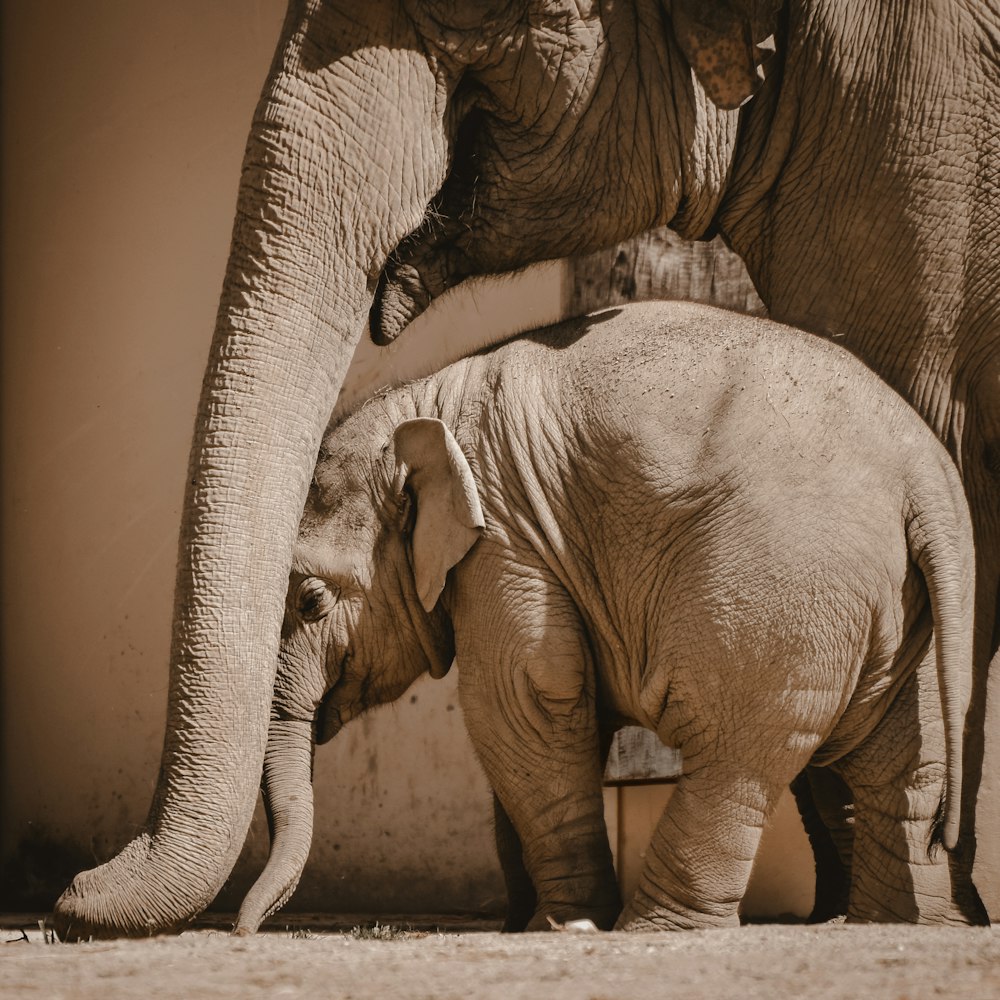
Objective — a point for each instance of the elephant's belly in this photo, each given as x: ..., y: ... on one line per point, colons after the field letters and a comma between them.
x: 618, y: 705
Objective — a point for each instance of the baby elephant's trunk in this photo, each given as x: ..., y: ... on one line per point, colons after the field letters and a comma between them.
x: 288, y: 799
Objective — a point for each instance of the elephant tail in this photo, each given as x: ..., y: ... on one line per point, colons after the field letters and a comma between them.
x: 939, y: 537
x: 288, y: 800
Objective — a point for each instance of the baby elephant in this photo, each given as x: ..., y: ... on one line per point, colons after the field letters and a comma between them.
x: 667, y: 515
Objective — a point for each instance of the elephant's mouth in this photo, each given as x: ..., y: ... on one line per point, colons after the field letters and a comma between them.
x: 329, y: 718
x: 431, y: 259
x: 328, y: 722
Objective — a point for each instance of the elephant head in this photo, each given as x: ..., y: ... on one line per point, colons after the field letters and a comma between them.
x: 543, y: 169
x: 379, y: 120
x: 385, y: 521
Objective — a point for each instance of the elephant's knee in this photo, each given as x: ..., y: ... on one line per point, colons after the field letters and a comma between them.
x: 557, y: 686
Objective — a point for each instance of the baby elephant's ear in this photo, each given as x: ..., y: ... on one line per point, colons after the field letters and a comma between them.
x: 449, y: 518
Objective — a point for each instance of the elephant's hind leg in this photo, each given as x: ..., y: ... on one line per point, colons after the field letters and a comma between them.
x: 900, y: 870
x: 827, y: 811
x: 699, y: 860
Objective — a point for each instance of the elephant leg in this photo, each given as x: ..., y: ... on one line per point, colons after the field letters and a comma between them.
x: 827, y: 812
x: 522, y: 900
x: 900, y: 871
x: 527, y: 686
x: 699, y: 859
x: 981, y: 806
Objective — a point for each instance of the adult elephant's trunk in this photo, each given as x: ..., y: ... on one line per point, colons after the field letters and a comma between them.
x: 288, y: 799
x: 347, y: 147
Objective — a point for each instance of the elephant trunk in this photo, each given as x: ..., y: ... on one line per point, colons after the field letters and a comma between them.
x: 288, y: 799
x: 315, y: 220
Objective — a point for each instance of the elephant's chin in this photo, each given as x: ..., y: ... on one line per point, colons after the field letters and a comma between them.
x: 92, y: 907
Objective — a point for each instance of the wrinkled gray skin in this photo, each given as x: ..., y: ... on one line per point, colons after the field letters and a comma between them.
x: 859, y: 185
x: 724, y: 530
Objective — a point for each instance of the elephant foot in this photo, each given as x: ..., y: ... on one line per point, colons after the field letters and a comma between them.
x: 828, y: 910
x: 931, y: 891
x: 660, y: 918
x: 870, y: 906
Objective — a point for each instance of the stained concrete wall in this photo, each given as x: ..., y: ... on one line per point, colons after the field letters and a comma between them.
x: 123, y: 131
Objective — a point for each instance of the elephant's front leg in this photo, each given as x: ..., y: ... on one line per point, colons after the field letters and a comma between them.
x: 527, y: 686
x: 522, y: 900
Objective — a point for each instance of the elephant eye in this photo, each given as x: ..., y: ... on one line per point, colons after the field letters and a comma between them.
x: 314, y: 599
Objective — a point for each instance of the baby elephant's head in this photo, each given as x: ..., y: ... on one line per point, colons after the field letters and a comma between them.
x: 391, y: 510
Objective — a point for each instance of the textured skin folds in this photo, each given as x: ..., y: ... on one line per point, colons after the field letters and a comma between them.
x: 748, y: 575
x: 863, y: 192
x: 860, y: 185
x: 287, y: 785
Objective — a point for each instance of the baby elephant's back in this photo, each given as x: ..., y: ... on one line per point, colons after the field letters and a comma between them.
x: 708, y: 394
x: 699, y: 407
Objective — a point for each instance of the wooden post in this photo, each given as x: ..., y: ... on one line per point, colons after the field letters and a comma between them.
x: 660, y: 265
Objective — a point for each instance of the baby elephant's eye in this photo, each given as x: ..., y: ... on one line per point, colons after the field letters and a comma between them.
x: 314, y: 599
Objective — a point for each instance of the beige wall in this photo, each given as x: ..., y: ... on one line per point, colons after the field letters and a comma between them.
x: 123, y: 130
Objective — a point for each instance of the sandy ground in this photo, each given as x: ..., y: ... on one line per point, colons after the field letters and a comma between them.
x: 763, y: 961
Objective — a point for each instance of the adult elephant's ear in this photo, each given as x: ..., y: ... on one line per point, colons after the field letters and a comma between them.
x: 727, y: 43
x: 448, y: 517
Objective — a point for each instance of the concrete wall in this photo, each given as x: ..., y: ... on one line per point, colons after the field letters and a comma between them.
x: 123, y: 131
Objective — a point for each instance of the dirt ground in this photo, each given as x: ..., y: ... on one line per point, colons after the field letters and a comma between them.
x: 762, y: 961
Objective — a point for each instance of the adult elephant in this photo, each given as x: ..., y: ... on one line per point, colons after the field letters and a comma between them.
x: 860, y: 185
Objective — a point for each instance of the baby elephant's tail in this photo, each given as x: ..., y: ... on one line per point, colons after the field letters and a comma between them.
x: 939, y: 536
